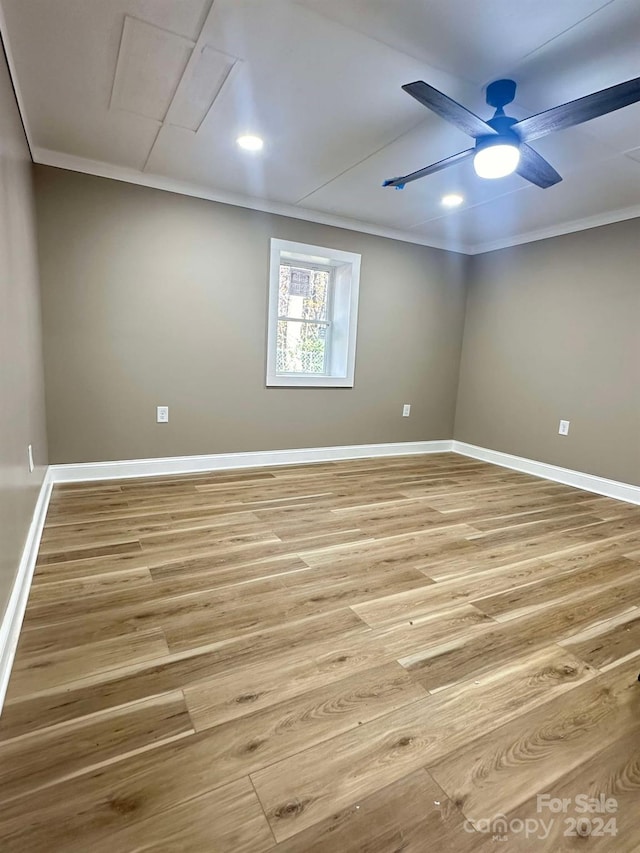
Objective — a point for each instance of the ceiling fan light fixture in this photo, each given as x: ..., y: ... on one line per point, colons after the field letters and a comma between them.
x: 497, y: 160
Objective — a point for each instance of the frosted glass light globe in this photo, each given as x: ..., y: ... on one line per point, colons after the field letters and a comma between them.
x: 496, y: 161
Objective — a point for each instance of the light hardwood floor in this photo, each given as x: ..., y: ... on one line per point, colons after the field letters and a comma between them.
x: 354, y: 657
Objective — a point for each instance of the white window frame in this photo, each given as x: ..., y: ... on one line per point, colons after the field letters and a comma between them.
x: 342, y: 320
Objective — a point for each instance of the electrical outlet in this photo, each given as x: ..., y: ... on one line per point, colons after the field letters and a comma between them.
x: 30, y: 455
x: 162, y: 414
x: 564, y: 428
x: 406, y: 410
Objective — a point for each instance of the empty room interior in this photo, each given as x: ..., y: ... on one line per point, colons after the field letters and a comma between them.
x: 319, y: 426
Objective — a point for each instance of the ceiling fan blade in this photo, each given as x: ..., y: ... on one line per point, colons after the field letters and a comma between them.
x: 399, y: 183
x: 535, y: 168
x: 578, y: 111
x: 449, y: 109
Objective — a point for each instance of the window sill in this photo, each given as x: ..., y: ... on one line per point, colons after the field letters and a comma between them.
x: 309, y: 382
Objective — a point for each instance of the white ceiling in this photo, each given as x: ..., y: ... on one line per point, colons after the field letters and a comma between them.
x: 156, y: 92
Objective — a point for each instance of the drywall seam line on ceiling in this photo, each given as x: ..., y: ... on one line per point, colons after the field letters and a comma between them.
x: 350, y: 28
x: 6, y: 47
x: 153, y: 145
x: 204, y: 19
x: 195, y: 53
x: 116, y: 82
x: 564, y: 32
x: 224, y: 88
x: 448, y: 213
x: 159, y: 182
x: 359, y: 162
x: 225, y: 85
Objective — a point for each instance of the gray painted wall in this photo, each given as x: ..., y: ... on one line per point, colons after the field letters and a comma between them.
x: 553, y: 331
x: 151, y: 298
x: 21, y: 384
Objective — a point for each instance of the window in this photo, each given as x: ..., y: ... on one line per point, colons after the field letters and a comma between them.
x: 313, y: 308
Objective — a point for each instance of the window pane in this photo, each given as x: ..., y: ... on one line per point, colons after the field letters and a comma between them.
x: 303, y: 293
x: 301, y: 347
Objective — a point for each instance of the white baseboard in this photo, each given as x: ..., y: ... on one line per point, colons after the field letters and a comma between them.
x: 14, y: 614
x: 588, y: 482
x: 252, y: 459
x: 87, y: 471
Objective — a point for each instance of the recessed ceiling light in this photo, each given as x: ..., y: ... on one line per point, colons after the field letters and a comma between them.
x: 451, y: 200
x: 250, y: 143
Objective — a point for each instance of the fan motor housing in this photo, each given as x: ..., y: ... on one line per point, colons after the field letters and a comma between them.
x: 503, y: 133
x: 503, y: 125
x: 500, y: 93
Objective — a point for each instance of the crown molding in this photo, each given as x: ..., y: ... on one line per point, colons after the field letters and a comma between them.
x: 58, y: 160
x: 4, y: 37
x: 73, y: 163
x: 572, y: 227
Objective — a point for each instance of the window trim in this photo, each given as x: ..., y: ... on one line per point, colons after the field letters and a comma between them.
x: 346, y: 275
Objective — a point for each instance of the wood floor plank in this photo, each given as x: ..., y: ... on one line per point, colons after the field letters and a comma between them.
x: 124, y: 546
x: 94, y: 583
x: 236, y: 693
x: 400, y: 817
x: 466, y: 655
x: 227, y: 820
x: 41, y: 758
x: 492, y: 552
x: 418, y: 636
x: 98, y: 531
x: 413, y: 604
x: 248, y: 744
x: 526, y: 600
x: 306, y: 788
x: 37, y: 673
x: 607, y: 642
x: 614, y: 773
x: 498, y: 771
x: 86, y: 567
x: 418, y: 550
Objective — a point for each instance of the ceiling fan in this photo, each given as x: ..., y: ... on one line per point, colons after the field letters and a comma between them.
x: 502, y: 142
